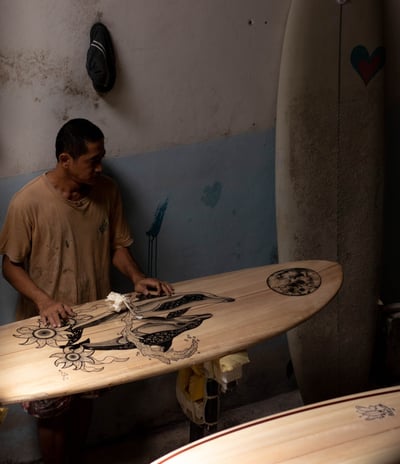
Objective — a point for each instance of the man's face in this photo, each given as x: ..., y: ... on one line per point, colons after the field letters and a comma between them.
x: 87, y: 168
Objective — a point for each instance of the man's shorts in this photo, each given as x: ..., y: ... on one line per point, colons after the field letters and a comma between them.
x: 47, y: 409
x: 54, y: 407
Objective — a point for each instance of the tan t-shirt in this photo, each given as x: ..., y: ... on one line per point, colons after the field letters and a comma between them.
x: 66, y: 247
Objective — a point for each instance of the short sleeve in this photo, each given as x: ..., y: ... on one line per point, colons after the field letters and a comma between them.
x: 16, y: 234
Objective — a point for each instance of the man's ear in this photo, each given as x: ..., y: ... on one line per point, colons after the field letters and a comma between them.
x: 64, y: 159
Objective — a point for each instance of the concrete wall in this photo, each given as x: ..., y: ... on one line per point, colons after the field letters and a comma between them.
x: 189, y: 124
x: 188, y: 72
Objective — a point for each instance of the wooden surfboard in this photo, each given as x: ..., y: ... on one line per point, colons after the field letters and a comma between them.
x: 205, y: 319
x: 329, y: 177
x: 362, y: 428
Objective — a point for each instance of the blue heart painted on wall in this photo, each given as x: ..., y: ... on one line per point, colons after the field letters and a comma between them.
x: 365, y: 64
x: 212, y: 194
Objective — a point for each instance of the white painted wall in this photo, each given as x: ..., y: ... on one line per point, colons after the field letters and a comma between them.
x: 188, y: 71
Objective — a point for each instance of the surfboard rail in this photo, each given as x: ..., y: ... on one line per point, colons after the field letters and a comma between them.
x: 362, y: 428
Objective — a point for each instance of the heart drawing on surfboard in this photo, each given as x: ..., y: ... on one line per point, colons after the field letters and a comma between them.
x: 367, y: 65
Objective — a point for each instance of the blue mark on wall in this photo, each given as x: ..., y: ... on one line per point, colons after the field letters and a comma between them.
x: 212, y: 194
x: 152, y: 233
x: 158, y: 219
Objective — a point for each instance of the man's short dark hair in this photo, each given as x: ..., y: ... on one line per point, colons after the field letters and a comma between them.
x: 74, y: 135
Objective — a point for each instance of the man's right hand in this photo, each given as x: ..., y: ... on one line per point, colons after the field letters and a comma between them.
x: 51, y: 312
x: 54, y: 312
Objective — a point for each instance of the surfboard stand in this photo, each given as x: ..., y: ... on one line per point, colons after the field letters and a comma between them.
x: 211, y: 412
x: 199, y: 388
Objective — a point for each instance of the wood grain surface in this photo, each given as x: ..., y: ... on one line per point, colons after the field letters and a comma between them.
x: 358, y: 429
x: 207, y: 318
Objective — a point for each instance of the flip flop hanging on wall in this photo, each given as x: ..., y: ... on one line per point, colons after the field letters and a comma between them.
x: 100, y: 60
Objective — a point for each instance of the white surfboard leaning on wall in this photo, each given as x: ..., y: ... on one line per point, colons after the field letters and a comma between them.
x: 329, y: 176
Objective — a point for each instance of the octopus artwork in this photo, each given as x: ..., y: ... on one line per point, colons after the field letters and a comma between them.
x: 294, y: 281
x: 148, y: 325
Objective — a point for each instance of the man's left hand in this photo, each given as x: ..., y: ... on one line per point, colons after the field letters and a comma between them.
x: 154, y: 287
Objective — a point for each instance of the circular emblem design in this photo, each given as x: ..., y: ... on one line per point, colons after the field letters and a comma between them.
x: 295, y: 281
x: 73, y: 357
x: 44, y: 333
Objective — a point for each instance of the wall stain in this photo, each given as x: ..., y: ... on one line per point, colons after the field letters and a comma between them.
x: 29, y: 67
x: 152, y: 234
x: 212, y: 194
x: 158, y: 219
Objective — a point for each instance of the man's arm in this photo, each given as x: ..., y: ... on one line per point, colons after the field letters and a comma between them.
x: 124, y: 262
x: 50, y: 311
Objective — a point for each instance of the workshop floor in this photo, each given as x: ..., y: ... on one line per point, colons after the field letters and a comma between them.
x: 143, y: 449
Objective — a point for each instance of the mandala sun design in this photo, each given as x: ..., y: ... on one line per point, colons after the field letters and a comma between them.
x: 295, y: 281
x: 77, y: 358
x: 44, y: 336
x: 151, y: 332
x: 82, y: 359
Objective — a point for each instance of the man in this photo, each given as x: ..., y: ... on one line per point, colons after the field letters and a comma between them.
x: 62, y: 232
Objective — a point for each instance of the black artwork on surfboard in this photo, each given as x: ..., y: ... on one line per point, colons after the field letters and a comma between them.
x: 375, y: 411
x: 296, y: 281
x: 148, y: 325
